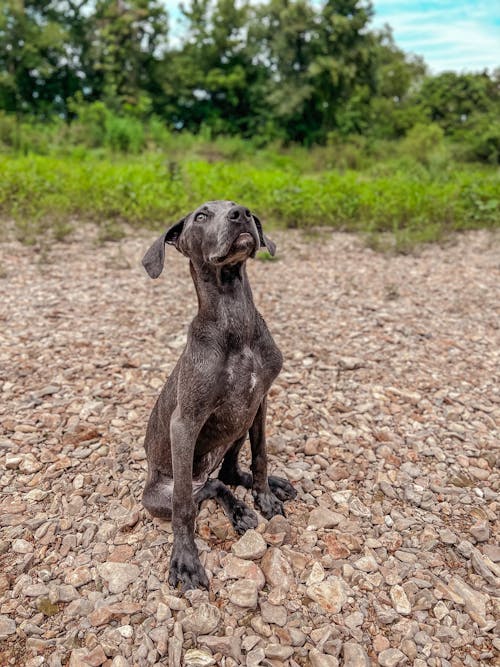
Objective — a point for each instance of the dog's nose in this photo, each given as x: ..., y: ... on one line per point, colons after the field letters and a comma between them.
x: 239, y: 214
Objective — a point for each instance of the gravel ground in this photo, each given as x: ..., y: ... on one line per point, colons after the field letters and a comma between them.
x: 384, y: 418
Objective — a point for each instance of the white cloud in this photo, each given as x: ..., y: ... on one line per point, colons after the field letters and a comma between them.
x: 456, y: 36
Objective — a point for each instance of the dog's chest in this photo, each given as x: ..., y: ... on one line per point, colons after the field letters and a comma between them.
x: 243, y: 372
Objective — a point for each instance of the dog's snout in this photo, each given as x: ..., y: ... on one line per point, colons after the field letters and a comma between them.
x: 239, y: 214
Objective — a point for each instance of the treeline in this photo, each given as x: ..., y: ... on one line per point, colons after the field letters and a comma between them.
x: 281, y: 70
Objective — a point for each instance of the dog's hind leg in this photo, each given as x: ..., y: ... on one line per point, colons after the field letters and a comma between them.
x: 241, y: 516
x: 157, y: 495
x: 230, y: 471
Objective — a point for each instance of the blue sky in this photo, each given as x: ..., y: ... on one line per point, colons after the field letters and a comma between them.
x: 460, y: 35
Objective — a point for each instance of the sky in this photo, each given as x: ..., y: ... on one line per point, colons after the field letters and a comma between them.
x: 459, y: 35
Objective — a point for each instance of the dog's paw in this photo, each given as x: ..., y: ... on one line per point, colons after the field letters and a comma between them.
x: 243, y: 518
x: 282, y: 488
x: 186, y: 569
x: 268, y: 504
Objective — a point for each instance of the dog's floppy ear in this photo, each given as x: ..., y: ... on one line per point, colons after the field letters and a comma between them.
x: 154, y: 258
x: 265, y: 241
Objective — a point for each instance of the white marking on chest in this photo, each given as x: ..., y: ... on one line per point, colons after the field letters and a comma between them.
x: 253, y: 381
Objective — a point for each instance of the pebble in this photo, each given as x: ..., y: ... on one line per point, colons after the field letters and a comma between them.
x: 277, y: 570
x: 272, y: 613
x: 7, y: 626
x: 354, y: 655
x: 237, y: 568
x: 194, y: 657
x: 391, y: 657
x: 480, y: 531
x: 366, y: 564
x: 251, y: 546
x: 22, y: 546
x: 202, y: 619
x: 227, y: 645
x: 318, y: 659
x: 330, y: 594
x: 322, y: 517
x: 400, y: 600
x: 278, y: 651
x: 118, y: 576
x: 244, y: 593
x: 388, y: 550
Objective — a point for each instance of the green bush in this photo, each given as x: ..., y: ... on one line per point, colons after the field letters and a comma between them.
x: 422, y: 142
x: 479, y: 140
x: 409, y: 203
x: 125, y: 135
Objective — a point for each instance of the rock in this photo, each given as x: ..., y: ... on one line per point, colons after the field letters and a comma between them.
x: 272, y: 613
x: 237, y: 568
x: 316, y: 575
x: 329, y: 594
x: 277, y: 570
x: 318, y: 659
x: 440, y: 610
x: 244, y: 593
x: 357, y: 508
x: 79, y: 576
x: 351, y: 363
x: 77, y: 658
x: 228, y: 646
x: 194, y: 657
x: 174, y: 603
x: 103, y: 615
x: 255, y: 657
x: 22, y: 546
x: 354, y: 620
x: 480, y: 531
x: 492, y: 551
x: 391, y: 657
x: 7, y: 626
x: 380, y: 643
x: 250, y: 546
x: 118, y: 576
x: 335, y: 548
x: 202, y: 619
x: 277, y: 531
x: 96, y: 657
x: 355, y: 655
x: 278, y: 652
x: 120, y: 661
x: 400, y: 600
x: 322, y: 517
x: 366, y: 564
x: 447, y: 536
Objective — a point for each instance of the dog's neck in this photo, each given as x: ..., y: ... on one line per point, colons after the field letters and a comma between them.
x: 224, y: 296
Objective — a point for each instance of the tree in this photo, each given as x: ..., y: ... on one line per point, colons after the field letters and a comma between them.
x: 208, y: 79
x: 127, y: 43
x: 32, y: 50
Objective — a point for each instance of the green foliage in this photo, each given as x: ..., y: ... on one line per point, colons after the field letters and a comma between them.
x: 408, y: 200
x: 423, y: 142
x: 479, y: 139
x: 282, y: 71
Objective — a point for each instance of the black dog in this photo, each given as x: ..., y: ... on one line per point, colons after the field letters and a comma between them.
x: 216, y: 394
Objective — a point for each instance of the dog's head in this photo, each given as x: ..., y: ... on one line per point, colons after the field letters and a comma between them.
x: 218, y: 233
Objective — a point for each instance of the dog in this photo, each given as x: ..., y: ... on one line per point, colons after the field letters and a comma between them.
x: 217, y: 392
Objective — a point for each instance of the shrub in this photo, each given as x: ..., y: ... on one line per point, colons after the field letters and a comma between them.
x: 422, y: 142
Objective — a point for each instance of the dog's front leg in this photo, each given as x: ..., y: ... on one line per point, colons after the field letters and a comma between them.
x: 185, y: 566
x: 268, y: 492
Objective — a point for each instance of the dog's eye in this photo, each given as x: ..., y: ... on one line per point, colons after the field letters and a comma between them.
x: 200, y: 217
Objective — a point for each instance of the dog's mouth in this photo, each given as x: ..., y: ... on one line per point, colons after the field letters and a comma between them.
x: 241, y: 248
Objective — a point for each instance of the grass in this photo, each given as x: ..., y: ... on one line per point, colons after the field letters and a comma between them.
x: 412, y: 202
